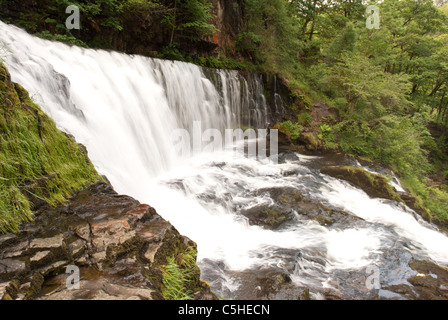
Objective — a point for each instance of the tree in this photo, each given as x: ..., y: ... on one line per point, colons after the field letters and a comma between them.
x: 344, y: 43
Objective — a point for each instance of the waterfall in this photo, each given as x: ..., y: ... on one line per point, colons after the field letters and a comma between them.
x: 123, y: 109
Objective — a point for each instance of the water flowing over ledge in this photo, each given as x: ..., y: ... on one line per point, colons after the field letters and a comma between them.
x: 253, y: 221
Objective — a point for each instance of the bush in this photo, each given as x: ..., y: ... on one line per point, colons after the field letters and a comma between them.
x: 304, y: 119
x: 291, y: 130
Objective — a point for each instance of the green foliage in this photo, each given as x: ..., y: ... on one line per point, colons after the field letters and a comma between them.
x: 432, y: 198
x: 291, y: 130
x: 325, y: 131
x: 344, y: 43
x: 304, y: 119
x: 394, y: 141
x: 68, y: 39
x: 29, y: 21
x: 225, y: 63
x: 196, y: 18
x: 366, y: 88
x: 172, y: 52
x: 178, y: 275
x: 248, y: 43
x: 37, y: 160
x: 270, y: 37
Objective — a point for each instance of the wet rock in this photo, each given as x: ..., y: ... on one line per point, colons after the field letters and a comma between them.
x: 119, y: 245
x: 9, y: 266
x: 289, y: 202
x: 289, y: 156
x: 15, y: 250
x: 39, y: 256
x: 151, y: 252
x: 430, y: 282
x: 268, y: 217
x: 77, y: 247
x: 47, y: 243
x: 100, y: 289
x: 3, y: 287
x: 264, y: 284
x: 374, y: 185
x: 6, y: 238
x: 305, y: 295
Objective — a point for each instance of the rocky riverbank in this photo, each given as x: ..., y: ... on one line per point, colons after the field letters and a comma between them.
x: 120, y: 246
x: 403, y: 275
x: 122, y: 249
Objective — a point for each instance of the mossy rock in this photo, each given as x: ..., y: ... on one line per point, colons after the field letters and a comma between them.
x: 375, y: 185
x: 310, y: 141
x: 40, y: 164
x: 268, y: 217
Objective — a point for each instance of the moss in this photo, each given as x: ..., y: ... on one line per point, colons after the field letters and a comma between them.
x: 304, y: 119
x: 35, y: 286
x: 116, y: 252
x: 39, y: 164
x: 374, y: 185
x: 290, y: 130
x: 323, y: 221
x: 12, y: 290
x: 305, y: 295
x: 311, y: 141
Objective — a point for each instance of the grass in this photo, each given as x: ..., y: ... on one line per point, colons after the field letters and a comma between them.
x: 179, y: 275
x: 37, y: 161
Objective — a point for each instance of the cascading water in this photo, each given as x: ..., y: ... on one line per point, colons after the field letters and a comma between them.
x: 124, y: 108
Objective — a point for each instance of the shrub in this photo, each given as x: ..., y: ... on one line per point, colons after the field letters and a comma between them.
x: 291, y: 130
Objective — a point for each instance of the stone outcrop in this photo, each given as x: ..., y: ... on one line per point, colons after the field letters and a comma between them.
x: 120, y: 246
x: 289, y: 202
x: 374, y: 185
x: 430, y: 282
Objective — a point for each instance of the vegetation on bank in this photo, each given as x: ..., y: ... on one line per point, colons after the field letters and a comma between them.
x: 388, y: 85
x: 39, y: 163
x: 180, y: 276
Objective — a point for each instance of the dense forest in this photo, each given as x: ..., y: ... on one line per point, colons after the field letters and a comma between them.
x: 389, y: 85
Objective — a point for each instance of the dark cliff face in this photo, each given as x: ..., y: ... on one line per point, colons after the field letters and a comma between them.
x: 229, y: 21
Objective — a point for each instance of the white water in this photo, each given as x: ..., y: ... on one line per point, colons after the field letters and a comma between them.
x: 124, y: 108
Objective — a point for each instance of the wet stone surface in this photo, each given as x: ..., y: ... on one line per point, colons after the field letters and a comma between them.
x: 119, y: 245
x: 308, y: 272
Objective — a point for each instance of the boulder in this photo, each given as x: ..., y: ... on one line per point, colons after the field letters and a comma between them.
x: 375, y: 185
x: 429, y: 283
